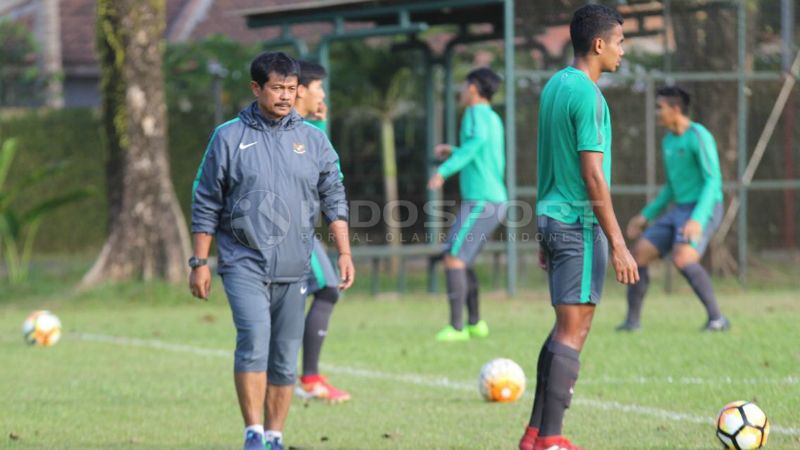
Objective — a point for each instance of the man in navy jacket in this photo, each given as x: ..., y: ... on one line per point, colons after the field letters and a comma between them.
x: 262, y: 180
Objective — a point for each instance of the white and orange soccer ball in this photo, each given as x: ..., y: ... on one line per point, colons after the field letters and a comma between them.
x: 42, y: 328
x: 501, y: 380
x: 742, y: 425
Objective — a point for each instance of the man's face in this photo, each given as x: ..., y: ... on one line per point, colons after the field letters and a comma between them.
x: 311, y: 96
x: 277, y: 96
x: 612, y: 51
x: 666, y: 114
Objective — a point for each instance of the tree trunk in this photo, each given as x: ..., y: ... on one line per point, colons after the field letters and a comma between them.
x: 48, y: 28
x: 707, y: 41
x: 148, y: 237
x: 389, y: 157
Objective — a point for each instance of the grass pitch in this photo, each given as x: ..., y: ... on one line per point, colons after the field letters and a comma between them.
x: 147, y: 367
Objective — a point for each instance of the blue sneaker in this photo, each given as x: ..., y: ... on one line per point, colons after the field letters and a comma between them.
x: 274, y: 444
x: 254, y: 441
x: 721, y: 324
x: 630, y: 327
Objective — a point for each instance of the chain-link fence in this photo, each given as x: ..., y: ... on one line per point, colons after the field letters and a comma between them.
x: 729, y: 55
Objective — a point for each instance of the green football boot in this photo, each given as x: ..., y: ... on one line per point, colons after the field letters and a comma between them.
x: 450, y: 334
x: 479, y: 330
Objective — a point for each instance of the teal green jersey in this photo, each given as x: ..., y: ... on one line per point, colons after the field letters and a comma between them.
x: 573, y: 118
x: 693, y: 176
x: 481, y: 158
x: 321, y: 124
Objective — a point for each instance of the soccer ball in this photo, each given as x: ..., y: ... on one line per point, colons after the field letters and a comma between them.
x: 742, y: 425
x: 42, y: 328
x: 501, y: 380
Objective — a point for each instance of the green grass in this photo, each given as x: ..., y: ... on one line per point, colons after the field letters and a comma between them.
x: 169, y: 384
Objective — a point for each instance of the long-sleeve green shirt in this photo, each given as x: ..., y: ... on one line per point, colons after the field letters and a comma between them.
x: 481, y: 158
x: 693, y: 175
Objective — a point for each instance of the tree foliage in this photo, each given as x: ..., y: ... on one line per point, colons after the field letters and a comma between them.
x: 18, y: 71
x: 189, y: 75
x: 19, y: 224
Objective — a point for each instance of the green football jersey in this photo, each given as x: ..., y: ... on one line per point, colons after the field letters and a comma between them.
x: 693, y: 175
x: 481, y: 157
x: 573, y: 118
x: 321, y: 124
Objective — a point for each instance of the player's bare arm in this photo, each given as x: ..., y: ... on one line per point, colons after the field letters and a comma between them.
x: 599, y: 195
x: 200, y: 277
x: 346, y: 268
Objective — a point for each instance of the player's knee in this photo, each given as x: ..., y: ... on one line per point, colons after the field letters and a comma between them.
x: 573, y: 337
x: 574, y: 341
x: 329, y: 294
x: 252, y: 349
x: 582, y: 334
x: 282, y: 364
x: 642, y: 253
x: 451, y: 262
x: 641, y: 261
x: 682, y: 259
x: 679, y: 263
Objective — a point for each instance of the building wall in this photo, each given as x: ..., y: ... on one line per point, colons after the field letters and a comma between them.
x: 81, y: 92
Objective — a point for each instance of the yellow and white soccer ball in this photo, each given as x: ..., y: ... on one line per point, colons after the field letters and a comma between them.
x: 42, y: 328
x: 501, y: 380
x: 742, y: 425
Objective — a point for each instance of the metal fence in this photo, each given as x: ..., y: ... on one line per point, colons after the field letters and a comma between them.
x: 755, y: 98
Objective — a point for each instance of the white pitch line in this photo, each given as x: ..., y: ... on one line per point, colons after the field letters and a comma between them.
x: 603, y: 405
x: 683, y: 380
x: 152, y: 343
x: 431, y: 381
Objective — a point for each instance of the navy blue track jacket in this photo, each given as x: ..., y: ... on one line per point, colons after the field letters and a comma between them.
x: 259, y: 188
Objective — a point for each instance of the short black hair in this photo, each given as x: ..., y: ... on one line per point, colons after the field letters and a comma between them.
x: 485, y: 80
x: 675, y: 96
x: 590, y: 22
x: 273, y: 62
x: 311, y: 71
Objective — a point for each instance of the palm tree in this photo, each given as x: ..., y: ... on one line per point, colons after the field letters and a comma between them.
x: 381, y: 89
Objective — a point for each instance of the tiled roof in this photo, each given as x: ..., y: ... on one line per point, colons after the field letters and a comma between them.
x: 78, y: 25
